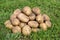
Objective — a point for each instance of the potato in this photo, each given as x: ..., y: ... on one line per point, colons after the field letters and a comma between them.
x: 33, y: 23
x: 16, y: 29
x: 43, y: 26
x: 27, y: 10
x: 22, y: 24
x: 23, y: 17
x: 39, y: 18
x: 8, y: 24
x: 35, y: 29
x: 48, y: 23
x: 32, y: 16
x: 14, y: 15
x: 15, y: 21
x: 17, y: 11
x: 36, y: 10
x: 26, y: 30
x: 46, y: 17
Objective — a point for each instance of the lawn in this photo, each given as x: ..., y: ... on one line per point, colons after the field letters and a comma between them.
x: 49, y: 7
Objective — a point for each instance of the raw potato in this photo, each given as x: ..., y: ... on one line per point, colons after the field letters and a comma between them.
x: 16, y: 29
x: 43, y: 26
x: 27, y: 10
x: 48, y: 23
x: 46, y: 17
x: 8, y: 24
x: 26, y: 30
x: 15, y: 21
x: 39, y: 18
x: 23, y: 17
x: 14, y: 15
x: 35, y: 29
x: 17, y: 11
x: 33, y: 23
x: 22, y: 24
x: 32, y: 16
x: 36, y: 10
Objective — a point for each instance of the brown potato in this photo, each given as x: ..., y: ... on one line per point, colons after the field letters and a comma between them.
x: 16, y: 29
x: 22, y: 24
x: 17, y: 11
x: 8, y: 24
x: 35, y: 29
x: 46, y: 17
x: 48, y: 23
x: 43, y: 26
x: 26, y: 30
x: 32, y: 16
x: 33, y: 23
x: 14, y: 15
x: 39, y: 18
x: 23, y: 17
x: 36, y: 10
x: 15, y: 21
x: 27, y: 10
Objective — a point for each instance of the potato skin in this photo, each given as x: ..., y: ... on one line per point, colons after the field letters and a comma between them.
x: 8, y: 24
x: 36, y: 10
x: 12, y: 17
x: 48, y: 23
x: 15, y: 13
x: 15, y: 21
x: 39, y: 18
x: 45, y: 17
x: 27, y: 10
x: 22, y: 24
x: 16, y: 29
x: 33, y: 23
x: 32, y: 16
x: 35, y: 29
x: 43, y: 26
x: 22, y: 17
x: 26, y: 30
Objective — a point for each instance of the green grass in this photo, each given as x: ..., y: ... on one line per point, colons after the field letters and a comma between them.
x: 49, y: 7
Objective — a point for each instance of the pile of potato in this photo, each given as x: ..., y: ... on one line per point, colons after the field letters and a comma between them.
x: 28, y: 20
